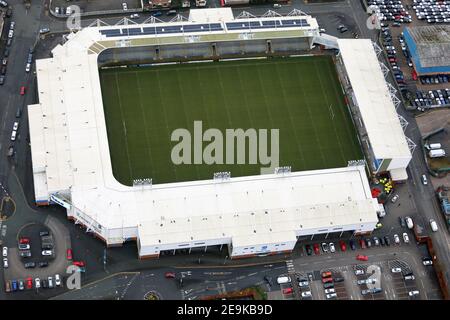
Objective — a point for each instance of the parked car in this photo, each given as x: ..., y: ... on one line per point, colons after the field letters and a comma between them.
x: 5, y: 251
x: 394, y: 198
x: 29, y: 265
x: 396, y: 239
x: 5, y: 263
x: 331, y: 290
x: 29, y: 283
x: 326, y: 274
x: 324, y: 247
x: 433, y: 225
x: 359, y: 272
x: 343, y: 246
x: 24, y: 247
x: 124, y: 6
x: 387, y: 241
x: 134, y: 16
x: 47, y: 252
x: 24, y: 240
x: 338, y: 279
x: 409, y: 277
x: 402, y: 222
x: 396, y: 270
x: 362, y: 257
x: 316, y: 248
x: 168, y: 275
x: 362, y: 243
x: 328, y: 285
x: 405, y: 237
x: 326, y: 280
x: 57, y: 280
x: 28, y: 67
x: 37, y: 283
x: 427, y: 262
x: 303, y: 284
x: 413, y: 293
x: 50, y: 282
x: 306, y: 294
x: 352, y: 245
x: 308, y: 249
x: 376, y: 241
x: 332, y: 248
x: 43, y: 233
x: 44, y: 30
x: 331, y: 296
x: 288, y: 290
x: 69, y: 254
x: 25, y: 254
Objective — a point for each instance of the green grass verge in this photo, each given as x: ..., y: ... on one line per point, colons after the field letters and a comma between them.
x: 299, y: 96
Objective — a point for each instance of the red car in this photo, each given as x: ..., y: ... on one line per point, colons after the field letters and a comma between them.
x: 343, y: 246
x: 24, y: 240
x: 326, y: 280
x: 22, y: 90
x: 78, y: 263
x: 362, y: 243
x: 287, y: 291
x: 326, y: 274
x: 360, y: 257
x: 69, y: 254
x: 316, y: 248
x: 169, y: 275
x: 29, y: 283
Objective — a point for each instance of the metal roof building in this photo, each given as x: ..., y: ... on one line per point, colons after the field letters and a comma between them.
x: 372, y: 95
x: 430, y: 48
x: 252, y: 215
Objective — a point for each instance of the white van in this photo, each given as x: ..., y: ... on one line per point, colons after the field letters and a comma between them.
x: 381, y: 212
x: 409, y: 222
x: 276, y: 6
x: 433, y: 225
x: 437, y: 153
x: 434, y: 146
x: 281, y: 280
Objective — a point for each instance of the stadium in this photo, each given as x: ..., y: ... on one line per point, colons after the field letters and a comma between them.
x: 110, y: 97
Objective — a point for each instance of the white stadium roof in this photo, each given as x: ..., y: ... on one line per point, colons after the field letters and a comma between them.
x: 373, y: 98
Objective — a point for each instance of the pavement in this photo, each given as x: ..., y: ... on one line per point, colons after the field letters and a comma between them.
x: 416, y: 200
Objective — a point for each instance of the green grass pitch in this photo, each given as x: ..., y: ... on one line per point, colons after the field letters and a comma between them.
x: 300, y: 96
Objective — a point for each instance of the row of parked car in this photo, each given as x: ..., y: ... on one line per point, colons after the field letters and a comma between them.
x: 432, y: 97
x: 390, y: 10
x: 434, y: 79
x: 432, y: 11
x: 20, y: 285
x: 328, y: 282
x: 303, y: 283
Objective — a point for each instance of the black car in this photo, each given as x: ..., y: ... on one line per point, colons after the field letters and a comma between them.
x: 45, y: 283
x: 6, y: 53
x: 43, y: 264
x: 47, y: 246
x: 402, y: 222
x: 352, y: 245
x: 43, y: 233
x: 9, y: 13
x: 382, y: 242
x: 308, y: 250
x: 338, y: 279
x: 388, y: 242
x: 2, y: 79
x: 3, y: 70
x: 368, y: 243
x: 29, y: 265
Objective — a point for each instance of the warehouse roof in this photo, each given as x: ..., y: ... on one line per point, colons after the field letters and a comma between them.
x: 429, y: 47
x: 372, y: 95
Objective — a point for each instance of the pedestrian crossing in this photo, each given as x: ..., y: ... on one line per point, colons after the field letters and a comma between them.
x: 290, y: 266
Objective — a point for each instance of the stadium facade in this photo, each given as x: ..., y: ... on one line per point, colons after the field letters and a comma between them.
x: 254, y: 215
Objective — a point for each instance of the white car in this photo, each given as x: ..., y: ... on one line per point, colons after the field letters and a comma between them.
x: 57, y: 280
x: 57, y: 10
x: 124, y: 6
x: 327, y: 291
x: 331, y: 296
x: 306, y: 294
x: 68, y: 11
x: 424, y: 180
x: 396, y: 239
x: 13, y: 135
x: 37, y: 283
x: 396, y: 270
x: 427, y: 262
x: 5, y: 252
x: 3, y: 3
x: 11, y: 34
x: 413, y: 293
x: 16, y: 125
x: 410, y: 277
x: 359, y: 272
x: 332, y: 248
x: 12, y: 25
x: 28, y: 67
x: 5, y: 263
x: 394, y: 198
x: 134, y: 16
x: 405, y: 237
x: 47, y: 252
x: 433, y: 225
